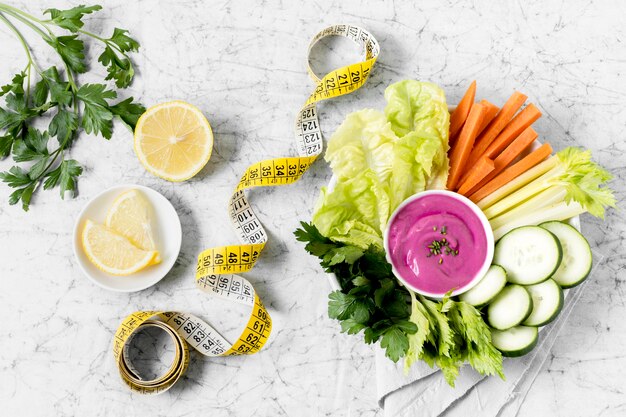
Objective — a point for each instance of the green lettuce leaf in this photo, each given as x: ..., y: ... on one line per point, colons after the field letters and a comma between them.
x: 363, y: 141
x: 421, y: 108
x: 354, y: 212
x: 416, y: 106
x: 408, y: 175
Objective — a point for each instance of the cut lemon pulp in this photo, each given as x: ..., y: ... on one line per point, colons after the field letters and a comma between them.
x: 173, y: 140
x: 130, y: 216
x: 113, y: 253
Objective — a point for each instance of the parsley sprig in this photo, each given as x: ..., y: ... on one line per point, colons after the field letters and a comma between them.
x: 371, y: 299
x: 35, y: 94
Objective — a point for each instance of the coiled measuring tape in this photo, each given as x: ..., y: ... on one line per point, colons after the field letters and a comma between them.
x: 217, y: 268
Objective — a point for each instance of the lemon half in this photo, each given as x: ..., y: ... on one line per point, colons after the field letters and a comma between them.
x: 173, y: 140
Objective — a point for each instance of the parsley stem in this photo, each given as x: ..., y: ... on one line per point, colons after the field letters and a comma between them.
x: 19, y: 36
x: 28, y: 18
x: 15, y: 10
x: 93, y: 35
x: 54, y: 156
x: 70, y: 77
x: 26, y: 21
x: 44, y: 107
x: 107, y: 42
x: 26, y: 98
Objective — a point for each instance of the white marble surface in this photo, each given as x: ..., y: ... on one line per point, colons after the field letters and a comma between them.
x: 243, y: 64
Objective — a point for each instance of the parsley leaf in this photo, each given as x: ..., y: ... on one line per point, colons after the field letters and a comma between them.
x: 38, y: 169
x: 59, y: 90
x: 6, y: 142
x: 97, y: 117
x: 15, y: 177
x: 33, y: 146
x: 22, y: 152
x: 395, y: 343
x: 70, y: 170
x: 71, y: 19
x: 63, y: 124
x: 341, y: 306
x: 24, y: 194
x: 128, y: 112
x: 41, y: 92
x: 11, y: 121
x: 119, y: 69
x: 317, y: 245
x: 70, y: 49
x: 351, y: 326
x: 65, y: 175
x: 347, y: 254
x: 123, y: 41
x: 15, y: 86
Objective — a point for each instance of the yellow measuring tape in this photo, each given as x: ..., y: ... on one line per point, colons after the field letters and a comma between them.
x: 217, y: 267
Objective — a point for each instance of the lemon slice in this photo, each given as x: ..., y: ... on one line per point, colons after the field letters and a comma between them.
x: 113, y: 253
x: 173, y: 140
x: 131, y: 216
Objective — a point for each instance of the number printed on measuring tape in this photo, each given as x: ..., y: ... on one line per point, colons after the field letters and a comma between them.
x: 217, y: 268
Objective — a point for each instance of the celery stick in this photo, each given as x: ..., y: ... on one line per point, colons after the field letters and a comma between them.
x: 548, y: 197
x: 560, y: 211
x: 531, y: 189
x: 518, y: 182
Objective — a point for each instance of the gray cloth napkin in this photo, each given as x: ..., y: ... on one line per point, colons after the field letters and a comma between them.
x: 424, y: 392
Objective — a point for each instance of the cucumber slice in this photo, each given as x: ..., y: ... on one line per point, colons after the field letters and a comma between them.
x: 577, y: 258
x: 511, y: 307
x: 516, y: 341
x: 547, y: 303
x: 530, y: 255
x: 487, y: 288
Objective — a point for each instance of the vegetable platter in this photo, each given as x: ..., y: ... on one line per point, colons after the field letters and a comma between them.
x: 450, y: 233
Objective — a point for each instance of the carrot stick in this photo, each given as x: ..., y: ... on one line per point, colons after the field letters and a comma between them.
x: 491, y: 112
x: 479, y: 171
x: 507, y: 156
x: 459, y: 115
x: 524, y: 119
x: 513, y: 172
x: 463, y: 146
x: 503, y: 117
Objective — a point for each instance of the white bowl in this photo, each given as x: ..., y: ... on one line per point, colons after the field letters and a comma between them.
x: 167, y: 234
x: 483, y: 221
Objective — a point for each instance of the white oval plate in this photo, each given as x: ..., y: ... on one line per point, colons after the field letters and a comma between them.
x: 167, y: 235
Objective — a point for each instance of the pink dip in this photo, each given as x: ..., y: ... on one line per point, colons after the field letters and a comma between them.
x: 436, y: 243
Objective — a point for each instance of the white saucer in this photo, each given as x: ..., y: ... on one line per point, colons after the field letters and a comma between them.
x: 167, y: 234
